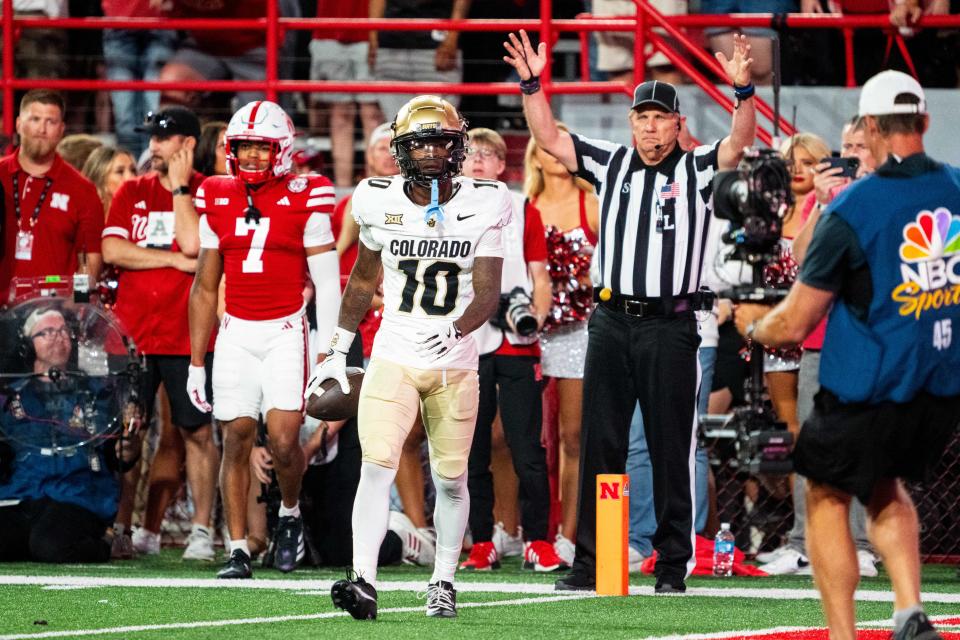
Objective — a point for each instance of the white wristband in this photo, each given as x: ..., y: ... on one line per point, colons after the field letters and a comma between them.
x: 341, y: 340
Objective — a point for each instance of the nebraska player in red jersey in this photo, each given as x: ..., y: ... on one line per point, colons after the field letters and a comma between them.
x: 262, y: 228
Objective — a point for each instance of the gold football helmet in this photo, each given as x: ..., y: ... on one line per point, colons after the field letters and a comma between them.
x: 429, y: 118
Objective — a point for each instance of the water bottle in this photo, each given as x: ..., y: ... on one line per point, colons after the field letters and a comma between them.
x: 723, y: 551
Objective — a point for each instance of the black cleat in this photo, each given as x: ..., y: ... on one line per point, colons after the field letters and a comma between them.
x: 237, y: 567
x: 290, y: 546
x: 674, y: 586
x: 356, y: 597
x: 441, y: 600
x: 917, y: 627
x: 575, y: 581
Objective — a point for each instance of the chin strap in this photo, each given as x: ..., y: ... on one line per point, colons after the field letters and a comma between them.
x: 434, y: 209
x: 251, y: 213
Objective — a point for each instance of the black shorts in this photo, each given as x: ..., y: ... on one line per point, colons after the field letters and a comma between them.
x: 172, y: 372
x: 852, y: 446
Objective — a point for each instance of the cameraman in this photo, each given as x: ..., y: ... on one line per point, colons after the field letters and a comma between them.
x: 890, y: 393
x: 510, y: 375
x: 56, y: 507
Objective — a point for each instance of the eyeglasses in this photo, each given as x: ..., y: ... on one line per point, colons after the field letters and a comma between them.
x: 486, y: 154
x: 52, y: 332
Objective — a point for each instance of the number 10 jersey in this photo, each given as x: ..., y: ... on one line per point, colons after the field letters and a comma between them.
x: 428, y: 264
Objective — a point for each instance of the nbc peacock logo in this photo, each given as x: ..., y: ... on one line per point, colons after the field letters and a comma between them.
x: 933, y: 235
x: 930, y: 267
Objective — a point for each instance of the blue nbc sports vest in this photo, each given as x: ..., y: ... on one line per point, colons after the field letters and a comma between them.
x: 909, y: 229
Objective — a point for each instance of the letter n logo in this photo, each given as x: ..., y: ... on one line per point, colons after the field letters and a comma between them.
x: 609, y: 490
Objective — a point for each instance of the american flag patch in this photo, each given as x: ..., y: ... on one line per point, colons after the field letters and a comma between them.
x: 671, y: 190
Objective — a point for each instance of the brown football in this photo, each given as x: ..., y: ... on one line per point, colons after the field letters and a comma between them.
x: 330, y: 403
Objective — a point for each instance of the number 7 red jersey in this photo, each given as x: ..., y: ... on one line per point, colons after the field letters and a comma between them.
x: 264, y: 261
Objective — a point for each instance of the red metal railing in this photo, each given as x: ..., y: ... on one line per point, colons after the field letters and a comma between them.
x: 275, y: 27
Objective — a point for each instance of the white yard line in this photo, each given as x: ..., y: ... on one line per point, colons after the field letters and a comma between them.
x: 885, y: 623
x: 272, y: 619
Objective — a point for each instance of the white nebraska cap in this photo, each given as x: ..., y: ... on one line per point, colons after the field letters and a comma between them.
x: 879, y: 95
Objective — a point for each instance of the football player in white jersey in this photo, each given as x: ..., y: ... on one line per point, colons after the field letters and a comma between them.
x: 437, y: 236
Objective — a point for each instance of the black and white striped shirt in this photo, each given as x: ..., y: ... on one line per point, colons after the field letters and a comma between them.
x: 653, y: 219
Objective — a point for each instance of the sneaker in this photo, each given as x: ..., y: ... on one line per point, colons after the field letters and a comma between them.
x: 200, y: 546
x: 145, y: 542
x: 237, y: 567
x: 508, y: 546
x: 868, y: 564
x: 483, y: 557
x: 769, y: 556
x: 917, y: 627
x: 575, y: 581
x: 122, y: 547
x: 441, y: 600
x: 418, y: 549
x: 356, y: 597
x: 564, y: 548
x: 540, y: 555
x: 634, y: 559
x: 673, y: 586
x: 290, y: 546
x: 788, y: 563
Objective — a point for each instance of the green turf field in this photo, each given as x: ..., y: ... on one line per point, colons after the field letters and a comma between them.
x: 165, y: 598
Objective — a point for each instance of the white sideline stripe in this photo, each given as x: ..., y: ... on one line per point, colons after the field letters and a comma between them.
x: 271, y: 619
x: 886, y: 623
x: 759, y: 593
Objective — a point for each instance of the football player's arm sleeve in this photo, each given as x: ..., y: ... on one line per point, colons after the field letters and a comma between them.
x: 202, y: 309
x: 318, y: 231
x: 325, y: 274
x: 208, y: 237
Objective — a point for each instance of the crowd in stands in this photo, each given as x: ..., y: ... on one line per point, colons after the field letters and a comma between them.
x: 563, y: 211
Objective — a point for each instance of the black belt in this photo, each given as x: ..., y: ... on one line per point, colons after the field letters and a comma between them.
x: 646, y: 307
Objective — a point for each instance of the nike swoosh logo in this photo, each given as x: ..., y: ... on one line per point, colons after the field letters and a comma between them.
x: 459, y: 217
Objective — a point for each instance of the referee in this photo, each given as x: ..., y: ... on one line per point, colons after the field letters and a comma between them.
x: 654, y: 218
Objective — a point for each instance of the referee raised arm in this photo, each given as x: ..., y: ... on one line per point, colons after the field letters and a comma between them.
x: 654, y: 216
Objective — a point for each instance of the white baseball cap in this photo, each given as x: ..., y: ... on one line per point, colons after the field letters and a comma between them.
x: 879, y: 95
x: 383, y: 131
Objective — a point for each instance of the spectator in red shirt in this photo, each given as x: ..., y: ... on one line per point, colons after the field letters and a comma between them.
x: 342, y: 56
x: 53, y: 217
x: 222, y: 55
x: 152, y: 234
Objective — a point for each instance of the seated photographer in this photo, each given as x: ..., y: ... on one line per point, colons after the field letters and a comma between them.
x: 878, y: 269
x: 57, y: 497
x: 510, y: 376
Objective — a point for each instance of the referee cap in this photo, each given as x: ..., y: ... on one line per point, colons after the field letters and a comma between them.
x: 655, y: 92
x: 891, y: 92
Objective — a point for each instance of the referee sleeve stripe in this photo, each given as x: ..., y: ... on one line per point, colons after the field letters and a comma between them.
x: 613, y: 215
x: 692, y: 223
x: 706, y: 156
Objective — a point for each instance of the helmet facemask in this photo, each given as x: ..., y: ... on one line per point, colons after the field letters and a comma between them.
x: 423, y: 122
x: 251, y: 176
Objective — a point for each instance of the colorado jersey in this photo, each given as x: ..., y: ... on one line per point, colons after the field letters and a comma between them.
x: 264, y: 262
x: 428, y: 268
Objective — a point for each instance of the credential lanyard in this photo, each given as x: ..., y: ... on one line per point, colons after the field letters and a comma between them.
x: 16, y: 199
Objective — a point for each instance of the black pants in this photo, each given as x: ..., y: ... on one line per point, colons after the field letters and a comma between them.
x: 328, y: 493
x: 654, y: 361
x: 49, y: 531
x: 521, y: 413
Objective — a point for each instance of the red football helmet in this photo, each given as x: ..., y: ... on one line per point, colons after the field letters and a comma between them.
x: 261, y: 121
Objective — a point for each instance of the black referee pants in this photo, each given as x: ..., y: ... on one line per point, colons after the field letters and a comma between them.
x: 512, y: 382
x: 654, y: 361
